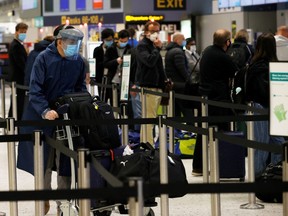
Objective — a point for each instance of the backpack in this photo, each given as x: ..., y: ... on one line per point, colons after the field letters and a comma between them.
x: 238, y: 52
x: 96, y: 137
x: 272, y: 173
x: 238, y: 88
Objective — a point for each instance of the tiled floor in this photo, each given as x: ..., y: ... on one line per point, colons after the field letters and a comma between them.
x: 189, y: 205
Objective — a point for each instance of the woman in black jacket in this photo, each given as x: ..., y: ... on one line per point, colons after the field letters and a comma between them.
x: 258, y: 92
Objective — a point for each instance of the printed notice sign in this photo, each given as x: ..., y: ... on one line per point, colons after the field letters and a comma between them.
x: 278, y: 98
x: 125, y: 78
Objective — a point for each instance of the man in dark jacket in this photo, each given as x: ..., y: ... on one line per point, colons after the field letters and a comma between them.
x: 17, y: 62
x: 176, y: 67
x: 113, y: 59
x: 38, y: 47
x: 150, y: 73
x: 107, y: 36
x: 216, y: 71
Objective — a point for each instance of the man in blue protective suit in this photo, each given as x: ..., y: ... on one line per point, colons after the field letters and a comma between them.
x: 57, y: 71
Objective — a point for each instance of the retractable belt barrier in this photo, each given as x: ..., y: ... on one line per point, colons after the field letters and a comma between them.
x: 126, y: 191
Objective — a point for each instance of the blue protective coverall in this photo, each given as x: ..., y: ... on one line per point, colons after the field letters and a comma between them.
x: 52, y: 77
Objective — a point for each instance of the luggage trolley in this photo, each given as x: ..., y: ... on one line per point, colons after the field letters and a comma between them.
x: 70, y: 208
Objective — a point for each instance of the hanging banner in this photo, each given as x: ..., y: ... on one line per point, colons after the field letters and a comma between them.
x: 278, y: 98
x: 92, y: 67
x: 124, y: 94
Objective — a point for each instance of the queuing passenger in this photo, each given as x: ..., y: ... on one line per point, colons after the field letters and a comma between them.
x: 150, y: 72
x: 135, y: 96
x: 113, y: 60
x: 282, y: 43
x: 17, y: 62
x: 216, y: 71
x: 58, y: 70
x: 107, y: 36
x: 38, y: 47
x: 132, y: 39
x: 176, y: 68
x: 192, y: 88
x: 258, y: 92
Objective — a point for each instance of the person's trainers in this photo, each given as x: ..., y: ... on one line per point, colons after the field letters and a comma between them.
x: 197, y: 173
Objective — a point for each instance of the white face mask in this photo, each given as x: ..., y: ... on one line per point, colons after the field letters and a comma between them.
x: 153, y: 36
x: 193, y: 48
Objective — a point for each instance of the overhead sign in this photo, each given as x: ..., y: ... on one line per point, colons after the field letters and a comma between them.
x: 143, y: 18
x: 169, y: 4
x: 278, y: 98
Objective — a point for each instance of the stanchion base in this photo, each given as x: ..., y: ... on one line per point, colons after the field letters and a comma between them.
x: 252, y: 206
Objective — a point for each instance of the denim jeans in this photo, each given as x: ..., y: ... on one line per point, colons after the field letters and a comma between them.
x: 137, y: 110
x: 261, y: 134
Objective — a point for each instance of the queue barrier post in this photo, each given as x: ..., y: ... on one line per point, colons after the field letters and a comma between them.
x: 251, y: 169
x: 38, y: 169
x: 2, y: 97
x: 125, y: 128
x: 83, y: 180
x: 12, y: 165
x: 136, y: 204
x: 115, y: 99
x: 214, y: 172
x: 14, y: 100
x: 205, y: 158
x: 163, y: 165
x: 285, y: 179
x: 143, y: 115
x: 171, y: 113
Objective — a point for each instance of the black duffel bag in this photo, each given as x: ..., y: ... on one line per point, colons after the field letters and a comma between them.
x: 146, y: 164
x: 272, y: 174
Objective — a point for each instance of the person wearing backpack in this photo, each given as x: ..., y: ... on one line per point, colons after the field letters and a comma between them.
x: 258, y: 92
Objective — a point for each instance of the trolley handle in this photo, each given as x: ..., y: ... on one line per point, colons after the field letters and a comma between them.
x: 62, y: 109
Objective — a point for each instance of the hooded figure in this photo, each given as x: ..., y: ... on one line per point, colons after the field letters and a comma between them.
x: 58, y: 70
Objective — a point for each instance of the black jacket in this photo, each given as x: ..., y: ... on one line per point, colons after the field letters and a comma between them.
x: 38, y: 47
x: 216, y: 69
x: 17, y: 62
x: 98, y: 54
x: 257, y: 89
x: 176, y: 66
x: 150, y: 72
x: 110, y: 60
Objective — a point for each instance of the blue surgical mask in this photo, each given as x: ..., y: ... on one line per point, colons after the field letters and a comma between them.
x: 70, y: 50
x: 122, y: 45
x: 108, y: 43
x: 184, y: 43
x: 22, y: 36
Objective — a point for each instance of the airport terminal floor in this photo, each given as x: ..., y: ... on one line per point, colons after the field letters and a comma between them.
x: 189, y: 205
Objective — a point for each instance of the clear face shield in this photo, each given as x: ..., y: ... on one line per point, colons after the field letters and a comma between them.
x: 71, y: 42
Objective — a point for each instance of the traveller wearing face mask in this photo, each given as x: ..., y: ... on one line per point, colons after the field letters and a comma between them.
x: 107, y: 36
x: 17, y: 63
x: 150, y: 73
x: 176, y: 67
x: 113, y: 59
x: 57, y: 71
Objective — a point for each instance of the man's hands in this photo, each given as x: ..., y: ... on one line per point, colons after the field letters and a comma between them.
x: 51, y: 115
x: 157, y: 43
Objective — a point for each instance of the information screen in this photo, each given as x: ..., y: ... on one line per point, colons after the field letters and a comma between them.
x: 278, y: 78
x: 241, y: 3
x: 29, y: 4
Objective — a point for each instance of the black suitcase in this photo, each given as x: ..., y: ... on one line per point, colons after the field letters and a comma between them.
x: 232, y: 158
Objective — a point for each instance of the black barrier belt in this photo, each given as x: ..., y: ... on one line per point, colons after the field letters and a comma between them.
x: 146, y: 91
x: 119, y: 193
x: 185, y: 127
x: 217, y: 119
x: 16, y: 138
x: 23, y: 87
x: 270, y: 147
x: 228, y: 138
x: 59, y: 145
x: 83, y: 122
x: 222, y: 104
x: 111, y: 179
